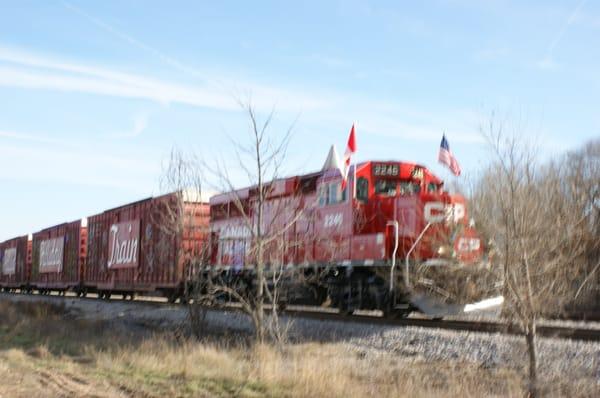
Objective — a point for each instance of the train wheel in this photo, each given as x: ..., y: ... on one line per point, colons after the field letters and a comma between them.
x: 345, y: 311
x: 397, y: 314
x: 172, y: 298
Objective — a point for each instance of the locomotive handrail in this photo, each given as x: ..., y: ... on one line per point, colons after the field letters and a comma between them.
x: 396, y: 227
x: 406, y: 277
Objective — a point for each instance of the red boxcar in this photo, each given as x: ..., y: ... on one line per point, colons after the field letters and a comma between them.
x: 58, y: 257
x: 145, y: 246
x: 15, y: 260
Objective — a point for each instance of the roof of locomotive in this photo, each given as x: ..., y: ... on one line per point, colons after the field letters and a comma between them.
x: 406, y: 168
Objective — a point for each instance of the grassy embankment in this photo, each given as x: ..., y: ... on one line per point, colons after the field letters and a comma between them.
x: 44, y: 353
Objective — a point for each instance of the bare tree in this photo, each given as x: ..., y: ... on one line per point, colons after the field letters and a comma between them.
x: 260, y: 160
x: 184, y: 217
x: 536, y: 221
x: 264, y: 223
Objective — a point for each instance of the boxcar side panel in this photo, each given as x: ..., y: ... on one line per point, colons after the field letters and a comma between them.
x: 14, y: 272
x: 58, y: 256
x: 152, y: 246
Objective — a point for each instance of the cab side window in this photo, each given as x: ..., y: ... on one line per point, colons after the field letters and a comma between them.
x: 332, y: 193
x: 336, y: 194
x: 322, y: 195
x: 362, y: 189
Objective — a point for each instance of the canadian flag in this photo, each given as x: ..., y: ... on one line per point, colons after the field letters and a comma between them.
x: 350, y: 150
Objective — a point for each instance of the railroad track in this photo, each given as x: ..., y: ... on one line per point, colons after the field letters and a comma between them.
x: 561, y: 332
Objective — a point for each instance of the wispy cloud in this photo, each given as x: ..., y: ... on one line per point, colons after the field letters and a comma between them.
x: 548, y: 61
x: 19, y: 68
x: 20, y: 136
x: 33, y: 71
x: 379, y: 117
x: 76, y: 166
x: 263, y: 96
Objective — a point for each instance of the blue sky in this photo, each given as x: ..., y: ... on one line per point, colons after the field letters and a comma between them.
x: 94, y: 94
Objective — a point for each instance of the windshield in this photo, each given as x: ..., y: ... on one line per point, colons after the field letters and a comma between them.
x: 386, y: 187
x: 393, y: 188
x: 409, y: 188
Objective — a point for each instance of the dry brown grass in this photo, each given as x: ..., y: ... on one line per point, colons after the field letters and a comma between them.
x: 71, y: 358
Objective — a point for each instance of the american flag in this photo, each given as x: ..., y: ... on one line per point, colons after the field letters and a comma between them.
x: 446, y: 157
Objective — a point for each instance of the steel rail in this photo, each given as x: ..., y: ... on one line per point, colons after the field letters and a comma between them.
x: 547, y: 331
x: 562, y: 332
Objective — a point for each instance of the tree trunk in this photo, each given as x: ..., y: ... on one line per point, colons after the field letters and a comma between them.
x: 532, y: 351
x: 260, y: 329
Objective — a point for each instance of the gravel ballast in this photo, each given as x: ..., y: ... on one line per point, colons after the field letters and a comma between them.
x: 558, y: 358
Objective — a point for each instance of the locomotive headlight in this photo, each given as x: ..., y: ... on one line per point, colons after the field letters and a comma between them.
x: 444, y: 250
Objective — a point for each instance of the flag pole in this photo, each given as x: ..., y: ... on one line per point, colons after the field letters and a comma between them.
x: 355, y: 164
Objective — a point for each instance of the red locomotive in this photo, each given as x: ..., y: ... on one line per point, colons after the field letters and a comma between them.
x: 391, y: 240
x: 346, y: 245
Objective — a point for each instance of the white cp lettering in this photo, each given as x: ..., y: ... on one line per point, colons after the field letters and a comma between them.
x: 435, y: 212
x: 468, y: 244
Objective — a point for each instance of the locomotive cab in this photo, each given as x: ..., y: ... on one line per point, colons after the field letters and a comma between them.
x: 403, y: 236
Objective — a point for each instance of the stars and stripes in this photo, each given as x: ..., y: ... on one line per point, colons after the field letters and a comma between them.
x: 447, y: 158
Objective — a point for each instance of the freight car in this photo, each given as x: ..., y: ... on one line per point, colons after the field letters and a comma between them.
x: 345, y: 246
x: 15, y: 260
x: 58, y: 257
x: 146, y: 246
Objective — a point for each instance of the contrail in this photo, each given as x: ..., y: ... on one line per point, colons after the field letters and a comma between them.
x: 563, y: 30
x: 135, y: 42
x: 219, y: 84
